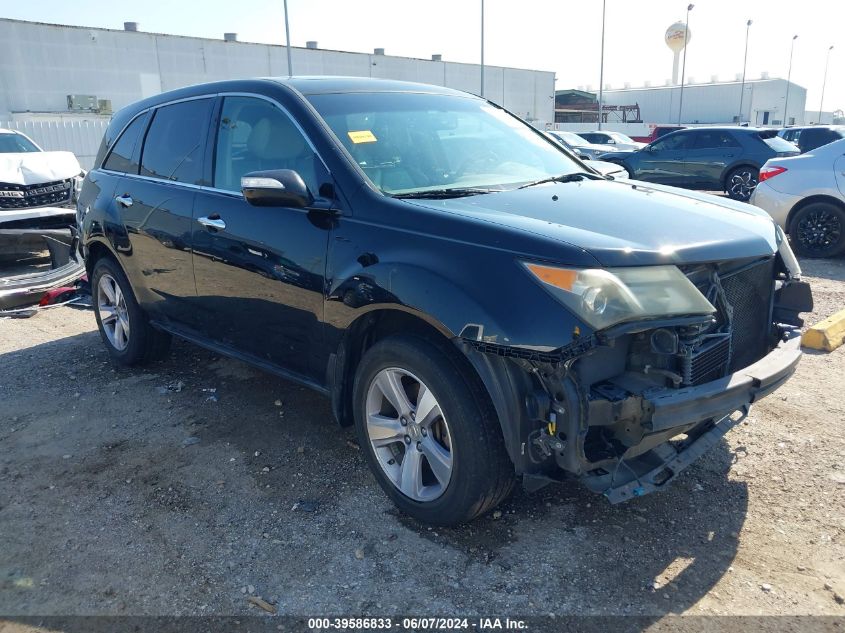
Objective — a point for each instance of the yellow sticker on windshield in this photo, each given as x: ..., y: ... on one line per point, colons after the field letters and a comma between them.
x: 362, y: 136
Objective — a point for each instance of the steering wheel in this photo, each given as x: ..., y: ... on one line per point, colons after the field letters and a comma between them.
x: 479, y: 163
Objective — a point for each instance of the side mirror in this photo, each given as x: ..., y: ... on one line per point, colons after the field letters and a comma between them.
x: 275, y: 188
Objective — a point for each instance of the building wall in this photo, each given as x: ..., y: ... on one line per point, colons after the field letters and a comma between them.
x: 40, y: 64
x: 716, y: 103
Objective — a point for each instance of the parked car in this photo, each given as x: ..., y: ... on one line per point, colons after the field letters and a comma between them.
x: 572, y: 141
x: 616, y: 139
x: 478, y: 305
x: 657, y: 132
x: 818, y: 135
x: 791, y: 134
x: 716, y: 158
x: 806, y: 196
x: 31, y: 177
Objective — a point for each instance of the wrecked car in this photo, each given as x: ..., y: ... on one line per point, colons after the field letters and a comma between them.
x: 38, y: 253
x: 481, y: 306
x: 38, y: 239
x: 31, y: 177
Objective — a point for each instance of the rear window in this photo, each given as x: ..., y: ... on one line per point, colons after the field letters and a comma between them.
x: 776, y: 142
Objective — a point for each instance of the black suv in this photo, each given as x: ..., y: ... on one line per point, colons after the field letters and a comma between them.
x: 476, y: 301
x: 713, y: 158
x: 812, y: 137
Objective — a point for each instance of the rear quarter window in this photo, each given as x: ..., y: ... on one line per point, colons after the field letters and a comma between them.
x: 123, y: 157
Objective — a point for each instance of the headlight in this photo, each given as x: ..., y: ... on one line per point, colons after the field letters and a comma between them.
x: 605, y: 297
x: 786, y: 254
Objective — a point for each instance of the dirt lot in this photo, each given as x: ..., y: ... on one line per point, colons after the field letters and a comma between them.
x: 185, y: 487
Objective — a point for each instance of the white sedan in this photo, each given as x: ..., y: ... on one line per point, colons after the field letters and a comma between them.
x: 616, y: 140
x: 806, y: 196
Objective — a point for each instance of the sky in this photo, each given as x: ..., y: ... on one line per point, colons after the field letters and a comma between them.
x: 563, y: 36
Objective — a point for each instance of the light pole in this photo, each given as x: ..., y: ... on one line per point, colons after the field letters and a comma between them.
x: 601, y: 67
x: 482, y: 48
x: 788, y: 77
x: 826, y: 64
x: 287, y: 40
x: 744, y: 64
x: 690, y: 7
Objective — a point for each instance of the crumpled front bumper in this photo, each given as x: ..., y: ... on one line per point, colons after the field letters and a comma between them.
x: 719, y: 401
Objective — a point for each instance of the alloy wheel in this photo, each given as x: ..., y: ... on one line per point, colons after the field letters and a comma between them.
x: 111, y: 307
x: 409, y: 434
x: 742, y: 184
x: 819, y: 230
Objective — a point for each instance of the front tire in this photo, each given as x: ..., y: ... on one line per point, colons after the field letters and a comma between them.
x: 124, y: 327
x: 818, y: 230
x: 429, y: 432
x: 741, y: 183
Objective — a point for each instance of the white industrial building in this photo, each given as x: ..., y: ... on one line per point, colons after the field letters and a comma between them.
x: 59, y: 83
x: 763, y: 102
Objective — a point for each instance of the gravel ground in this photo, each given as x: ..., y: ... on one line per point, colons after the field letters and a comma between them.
x: 188, y: 486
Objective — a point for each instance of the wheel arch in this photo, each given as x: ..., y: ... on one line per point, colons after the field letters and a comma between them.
x: 732, y: 168
x: 502, y: 383
x: 808, y: 201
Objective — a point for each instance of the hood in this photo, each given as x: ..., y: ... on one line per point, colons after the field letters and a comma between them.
x: 627, y: 223
x: 35, y: 168
x: 605, y: 149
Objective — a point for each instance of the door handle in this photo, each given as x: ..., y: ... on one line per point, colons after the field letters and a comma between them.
x: 212, y: 222
x: 125, y: 200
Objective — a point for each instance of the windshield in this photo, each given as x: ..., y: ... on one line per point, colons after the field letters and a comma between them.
x: 621, y: 138
x: 408, y: 142
x: 571, y: 138
x: 16, y: 143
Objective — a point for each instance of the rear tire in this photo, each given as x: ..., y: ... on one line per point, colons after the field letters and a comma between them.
x: 124, y: 327
x: 818, y: 230
x: 448, y: 467
x: 741, y: 182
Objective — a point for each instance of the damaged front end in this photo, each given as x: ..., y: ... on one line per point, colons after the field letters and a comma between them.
x: 38, y: 253
x: 628, y: 407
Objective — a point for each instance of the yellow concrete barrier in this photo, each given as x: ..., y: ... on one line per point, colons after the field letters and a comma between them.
x: 826, y: 335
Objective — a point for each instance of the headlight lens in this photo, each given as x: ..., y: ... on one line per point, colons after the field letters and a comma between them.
x: 605, y: 297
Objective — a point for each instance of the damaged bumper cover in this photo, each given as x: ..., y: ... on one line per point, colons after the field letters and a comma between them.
x: 38, y: 253
x: 722, y: 404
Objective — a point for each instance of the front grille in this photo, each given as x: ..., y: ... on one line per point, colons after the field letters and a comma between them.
x: 749, y: 293
x: 14, y: 196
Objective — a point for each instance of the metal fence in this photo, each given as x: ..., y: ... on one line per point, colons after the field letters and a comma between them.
x: 82, y: 137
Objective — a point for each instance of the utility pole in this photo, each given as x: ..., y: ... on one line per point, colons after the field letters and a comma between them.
x: 482, y: 48
x: 287, y: 40
x: 788, y: 77
x: 690, y: 7
x: 826, y: 64
x: 744, y: 63
x: 601, y: 69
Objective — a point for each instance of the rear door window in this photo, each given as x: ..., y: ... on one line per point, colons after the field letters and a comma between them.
x: 123, y: 157
x: 175, y: 143
x: 714, y: 139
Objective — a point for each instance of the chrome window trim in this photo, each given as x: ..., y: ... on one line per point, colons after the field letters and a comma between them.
x: 235, y: 194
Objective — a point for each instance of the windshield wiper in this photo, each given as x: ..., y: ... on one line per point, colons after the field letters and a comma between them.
x: 457, y: 192
x: 576, y: 177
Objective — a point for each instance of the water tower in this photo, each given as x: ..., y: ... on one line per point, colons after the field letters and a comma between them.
x: 677, y: 37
